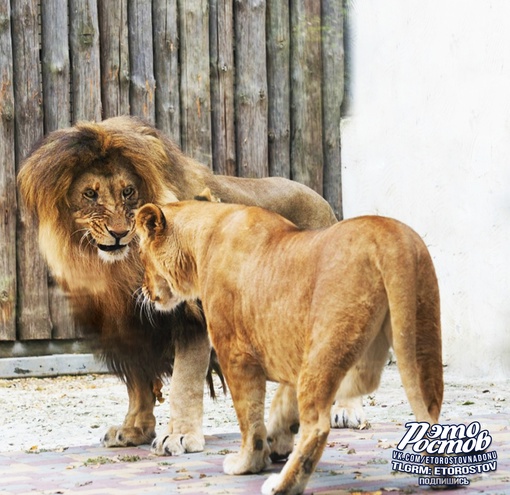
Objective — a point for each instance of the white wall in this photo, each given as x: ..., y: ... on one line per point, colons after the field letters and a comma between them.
x: 428, y: 142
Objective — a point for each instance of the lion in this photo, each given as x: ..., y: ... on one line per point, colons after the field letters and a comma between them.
x: 84, y: 184
x: 299, y: 307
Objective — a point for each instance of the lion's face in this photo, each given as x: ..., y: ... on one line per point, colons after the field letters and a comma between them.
x: 103, y: 203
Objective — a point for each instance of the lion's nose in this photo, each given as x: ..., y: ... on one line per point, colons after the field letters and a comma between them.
x: 118, y: 234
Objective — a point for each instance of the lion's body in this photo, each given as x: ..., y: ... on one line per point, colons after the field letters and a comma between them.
x: 84, y: 183
x: 301, y: 308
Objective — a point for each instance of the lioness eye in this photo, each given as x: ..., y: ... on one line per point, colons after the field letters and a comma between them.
x: 128, y: 192
x: 90, y: 194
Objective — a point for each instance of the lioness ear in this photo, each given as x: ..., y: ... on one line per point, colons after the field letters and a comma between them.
x: 206, y: 195
x: 150, y: 220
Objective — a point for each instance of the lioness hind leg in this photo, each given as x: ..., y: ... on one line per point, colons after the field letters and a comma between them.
x: 363, y: 378
x: 247, y: 384
x: 283, y: 423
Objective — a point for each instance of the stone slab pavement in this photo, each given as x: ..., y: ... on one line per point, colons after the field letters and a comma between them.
x: 354, y: 462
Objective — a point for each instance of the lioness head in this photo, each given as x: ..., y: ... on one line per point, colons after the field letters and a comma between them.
x: 170, y: 274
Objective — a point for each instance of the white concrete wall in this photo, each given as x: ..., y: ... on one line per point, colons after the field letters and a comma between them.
x: 428, y: 142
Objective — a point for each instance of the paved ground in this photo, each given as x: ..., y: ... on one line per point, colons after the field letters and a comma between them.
x: 50, y: 431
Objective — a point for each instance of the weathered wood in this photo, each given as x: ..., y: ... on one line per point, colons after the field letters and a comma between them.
x: 278, y: 83
x: 114, y: 43
x: 143, y: 84
x: 166, y: 67
x: 221, y: 36
x: 55, y: 64
x: 57, y: 114
x: 251, y: 88
x: 7, y: 182
x: 84, y: 37
x: 332, y: 96
x: 306, y: 100
x: 33, y: 310
x: 195, y: 80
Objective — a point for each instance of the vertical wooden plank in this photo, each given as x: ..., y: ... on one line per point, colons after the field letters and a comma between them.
x: 278, y: 82
x: 221, y: 39
x: 143, y: 85
x: 7, y: 182
x: 332, y: 96
x: 195, y: 80
x: 306, y: 101
x: 55, y: 64
x: 166, y: 67
x: 57, y: 114
x: 86, y: 71
x: 33, y: 307
x: 114, y: 43
x: 251, y: 88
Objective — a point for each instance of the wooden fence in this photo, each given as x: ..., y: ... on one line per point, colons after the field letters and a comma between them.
x: 249, y: 87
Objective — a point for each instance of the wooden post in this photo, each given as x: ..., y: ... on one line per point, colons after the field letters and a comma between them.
x: 55, y: 64
x: 251, y: 88
x: 306, y: 109
x: 195, y: 80
x: 143, y: 85
x: 166, y: 67
x: 332, y: 96
x: 221, y: 38
x: 84, y: 36
x: 278, y: 78
x: 114, y: 43
x: 57, y: 114
x: 33, y: 311
x: 7, y: 182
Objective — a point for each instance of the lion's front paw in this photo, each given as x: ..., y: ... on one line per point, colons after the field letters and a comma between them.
x: 244, y: 464
x: 348, y: 415
x: 118, y: 436
x: 176, y: 444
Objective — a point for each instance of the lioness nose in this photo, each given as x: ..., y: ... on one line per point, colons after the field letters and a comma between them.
x: 118, y: 234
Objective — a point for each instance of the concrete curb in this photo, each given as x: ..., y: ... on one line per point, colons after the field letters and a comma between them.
x: 56, y: 364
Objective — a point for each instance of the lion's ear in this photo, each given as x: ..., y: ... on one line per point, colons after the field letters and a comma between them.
x: 150, y: 220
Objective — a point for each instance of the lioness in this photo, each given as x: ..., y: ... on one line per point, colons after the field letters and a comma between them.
x: 297, y: 307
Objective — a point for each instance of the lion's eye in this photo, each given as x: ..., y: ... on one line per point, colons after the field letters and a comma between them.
x: 128, y: 192
x: 90, y: 194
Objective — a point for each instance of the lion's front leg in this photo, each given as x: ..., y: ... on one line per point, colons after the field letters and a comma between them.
x: 184, y: 433
x: 139, y: 425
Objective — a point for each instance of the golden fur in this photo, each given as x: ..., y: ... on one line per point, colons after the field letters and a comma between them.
x: 279, y: 300
x: 84, y: 184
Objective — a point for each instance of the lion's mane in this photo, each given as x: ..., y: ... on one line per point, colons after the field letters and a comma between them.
x: 136, y: 348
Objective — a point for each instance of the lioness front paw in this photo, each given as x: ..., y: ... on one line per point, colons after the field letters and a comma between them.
x: 243, y: 464
x: 270, y: 485
x: 176, y: 444
x: 349, y: 415
x: 118, y: 436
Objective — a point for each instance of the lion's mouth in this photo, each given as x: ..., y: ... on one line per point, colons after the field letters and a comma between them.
x: 110, y: 247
